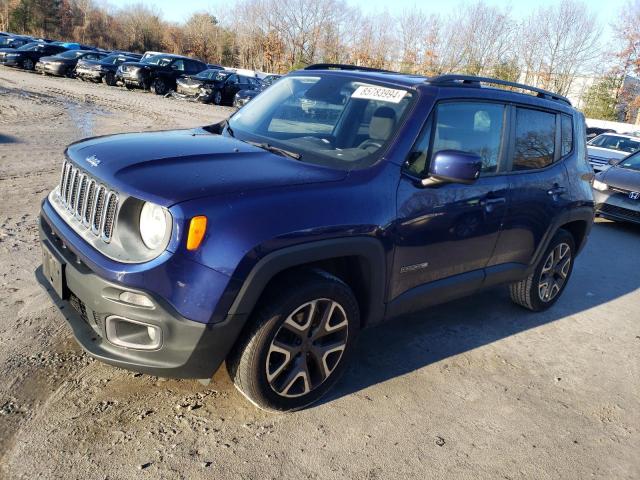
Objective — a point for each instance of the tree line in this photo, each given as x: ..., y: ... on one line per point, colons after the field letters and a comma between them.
x: 550, y: 47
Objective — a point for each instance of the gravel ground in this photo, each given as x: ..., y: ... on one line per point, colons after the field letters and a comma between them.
x: 473, y: 389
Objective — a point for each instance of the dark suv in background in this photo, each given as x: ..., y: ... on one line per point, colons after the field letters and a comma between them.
x: 338, y: 198
x: 27, y: 56
x: 214, y: 86
x: 104, y: 70
x: 158, y: 73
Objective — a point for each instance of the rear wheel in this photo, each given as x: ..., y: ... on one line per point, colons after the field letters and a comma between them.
x: 217, y: 97
x: 298, y: 343
x: 159, y: 87
x: 28, y: 64
x: 543, y: 287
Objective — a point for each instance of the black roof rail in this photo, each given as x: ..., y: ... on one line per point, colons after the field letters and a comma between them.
x: 340, y: 66
x: 473, y: 81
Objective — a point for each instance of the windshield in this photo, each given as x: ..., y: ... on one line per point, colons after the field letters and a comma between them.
x: 615, y: 142
x: 330, y: 120
x: 71, y: 54
x: 11, y: 41
x: 205, y: 74
x: 632, y: 162
x: 113, y: 59
x: 29, y: 47
x: 157, y: 60
x: 221, y: 76
x: 269, y: 79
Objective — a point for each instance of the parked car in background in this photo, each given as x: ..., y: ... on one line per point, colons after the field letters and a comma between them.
x: 64, y: 64
x: 158, y: 73
x: 151, y: 53
x: 103, y: 70
x: 610, y: 147
x: 244, y: 96
x: 28, y: 55
x: 74, y: 46
x: 593, y: 132
x: 214, y: 86
x: 213, y: 66
x: 271, y: 239
x: 14, y: 41
x: 617, y: 191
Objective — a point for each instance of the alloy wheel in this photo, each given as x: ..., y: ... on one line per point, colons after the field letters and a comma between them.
x: 554, y: 272
x: 307, y: 347
x: 217, y: 98
x: 28, y: 64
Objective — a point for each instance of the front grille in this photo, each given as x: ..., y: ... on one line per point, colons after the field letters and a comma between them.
x: 619, y: 211
x: 92, y: 204
x: 599, y: 160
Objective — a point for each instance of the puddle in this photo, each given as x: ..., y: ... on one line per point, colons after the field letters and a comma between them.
x: 84, y: 116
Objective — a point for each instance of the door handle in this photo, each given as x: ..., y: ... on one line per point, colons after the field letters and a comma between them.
x: 556, y: 190
x: 491, y: 202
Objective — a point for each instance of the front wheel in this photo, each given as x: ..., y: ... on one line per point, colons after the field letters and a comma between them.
x: 109, y: 78
x: 217, y: 97
x: 543, y: 287
x: 159, y: 87
x: 298, y: 342
x: 28, y: 64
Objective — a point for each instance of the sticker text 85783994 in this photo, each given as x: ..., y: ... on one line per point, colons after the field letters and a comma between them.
x: 370, y: 92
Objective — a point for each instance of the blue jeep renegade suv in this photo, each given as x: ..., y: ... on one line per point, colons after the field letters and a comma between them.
x: 338, y: 198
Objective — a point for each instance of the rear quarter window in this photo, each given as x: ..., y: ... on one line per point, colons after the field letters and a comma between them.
x: 535, y: 139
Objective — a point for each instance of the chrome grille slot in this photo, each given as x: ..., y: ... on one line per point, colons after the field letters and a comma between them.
x: 90, y: 204
x: 88, y: 209
x: 109, y: 216
x: 96, y: 221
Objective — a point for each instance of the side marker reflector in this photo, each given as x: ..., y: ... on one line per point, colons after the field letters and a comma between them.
x: 197, y: 229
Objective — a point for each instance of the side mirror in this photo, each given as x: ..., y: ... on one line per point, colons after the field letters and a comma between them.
x: 453, y: 166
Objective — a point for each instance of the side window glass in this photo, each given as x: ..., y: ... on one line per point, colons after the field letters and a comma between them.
x: 471, y: 127
x: 178, y: 65
x: 535, y: 139
x: 567, y: 134
x: 233, y: 79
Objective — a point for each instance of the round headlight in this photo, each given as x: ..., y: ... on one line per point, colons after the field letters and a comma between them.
x: 153, y: 225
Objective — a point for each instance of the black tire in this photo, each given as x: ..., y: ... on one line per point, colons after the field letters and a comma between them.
x: 217, y: 97
x: 128, y: 86
x: 28, y: 64
x: 308, y: 295
x: 159, y: 86
x: 530, y: 293
x: 109, y: 79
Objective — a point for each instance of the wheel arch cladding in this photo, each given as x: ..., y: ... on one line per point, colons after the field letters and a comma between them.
x: 359, y: 262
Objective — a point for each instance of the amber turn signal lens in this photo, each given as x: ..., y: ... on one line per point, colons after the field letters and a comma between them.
x: 197, y: 229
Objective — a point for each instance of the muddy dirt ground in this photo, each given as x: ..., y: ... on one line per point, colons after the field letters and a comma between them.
x: 474, y: 389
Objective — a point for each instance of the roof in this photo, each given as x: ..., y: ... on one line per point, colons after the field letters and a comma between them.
x: 459, y: 81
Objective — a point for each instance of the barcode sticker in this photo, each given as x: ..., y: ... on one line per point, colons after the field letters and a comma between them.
x: 368, y: 92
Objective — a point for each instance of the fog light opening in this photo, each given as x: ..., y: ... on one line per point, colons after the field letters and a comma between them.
x: 127, y: 333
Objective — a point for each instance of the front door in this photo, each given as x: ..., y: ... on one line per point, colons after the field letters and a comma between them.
x: 448, y: 232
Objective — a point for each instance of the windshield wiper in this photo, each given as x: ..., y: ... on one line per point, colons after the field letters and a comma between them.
x: 272, y: 149
x: 228, y: 127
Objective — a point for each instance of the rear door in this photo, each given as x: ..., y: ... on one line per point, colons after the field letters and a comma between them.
x: 538, y: 193
x: 449, y: 231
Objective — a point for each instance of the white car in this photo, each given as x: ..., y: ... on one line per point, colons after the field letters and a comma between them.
x: 610, y: 146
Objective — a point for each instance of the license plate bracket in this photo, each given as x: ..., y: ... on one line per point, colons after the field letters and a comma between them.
x: 53, y: 270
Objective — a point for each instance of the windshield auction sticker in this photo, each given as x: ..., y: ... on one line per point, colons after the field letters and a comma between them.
x: 382, y: 94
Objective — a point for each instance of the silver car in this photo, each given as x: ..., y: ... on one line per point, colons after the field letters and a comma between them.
x: 610, y: 147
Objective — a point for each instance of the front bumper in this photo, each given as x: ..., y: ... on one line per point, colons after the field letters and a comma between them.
x: 89, y: 74
x: 188, y: 349
x: 58, y: 69
x: 131, y: 79
x: 193, y: 95
x: 10, y: 62
x: 617, y: 206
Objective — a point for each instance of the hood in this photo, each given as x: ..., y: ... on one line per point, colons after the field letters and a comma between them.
x: 174, y: 166
x: 53, y: 58
x: 139, y: 65
x: 605, y: 153
x: 623, y: 178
